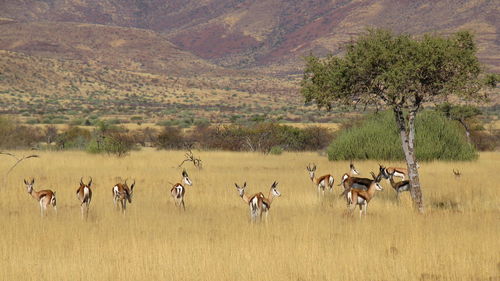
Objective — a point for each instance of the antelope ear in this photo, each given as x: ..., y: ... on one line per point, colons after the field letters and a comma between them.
x: 25, y: 182
x: 32, y: 181
x: 245, y: 184
x: 90, y: 182
x: 235, y: 184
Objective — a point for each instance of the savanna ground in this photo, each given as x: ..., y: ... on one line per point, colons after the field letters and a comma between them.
x: 304, y: 239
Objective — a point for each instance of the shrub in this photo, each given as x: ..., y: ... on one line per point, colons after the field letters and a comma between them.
x: 73, y: 138
x: 276, y: 150
x: 170, y: 138
x: 377, y: 138
x: 13, y: 135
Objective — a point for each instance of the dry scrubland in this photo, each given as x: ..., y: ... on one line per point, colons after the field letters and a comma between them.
x: 305, y: 238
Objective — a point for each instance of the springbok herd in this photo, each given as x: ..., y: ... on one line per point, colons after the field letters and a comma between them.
x: 357, y: 191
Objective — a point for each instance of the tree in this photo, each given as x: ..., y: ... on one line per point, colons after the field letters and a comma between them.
x: 381, y: 68
x: 461, y: 113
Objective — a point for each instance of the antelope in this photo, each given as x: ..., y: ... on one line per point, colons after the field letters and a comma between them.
x: 266, y: 201
x: 122, y: 193
x: 84, y: 194
x: 178, y: 190
x: 457, y: 173
x: 349, y: 182
x: 44, y: 197
x: 362, y: 197
x: 395, y: 171
x: 255, y: 201
x: 400, y: 186
x: 322, y: 181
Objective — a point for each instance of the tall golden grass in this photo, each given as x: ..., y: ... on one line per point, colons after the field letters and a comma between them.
x: 306, y: 238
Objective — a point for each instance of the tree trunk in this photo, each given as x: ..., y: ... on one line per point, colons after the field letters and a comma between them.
x: 408, y: 143
x: 467, y: 131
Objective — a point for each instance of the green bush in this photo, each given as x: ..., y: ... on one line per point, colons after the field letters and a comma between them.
x: 276, y: 150
x: 437, y: 138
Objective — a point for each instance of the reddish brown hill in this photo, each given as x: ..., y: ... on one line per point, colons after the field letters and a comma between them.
x: 253, y: 33
x: 117, y: 47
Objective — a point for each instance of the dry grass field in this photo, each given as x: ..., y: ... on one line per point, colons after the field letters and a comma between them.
x: 305, y: 238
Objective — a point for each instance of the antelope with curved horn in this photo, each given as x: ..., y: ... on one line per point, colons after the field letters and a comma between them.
x: 399, y: 186
x: 178, y: 190
x: 44, y: 197
x: 84, y: 194
x: 266, y: 201
x: 457, y: 173
x: 320, y: 182
x: 254, y: 201
x: 123, y: 193
x: 362, y: 197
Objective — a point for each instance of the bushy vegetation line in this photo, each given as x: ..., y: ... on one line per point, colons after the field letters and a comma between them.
x: 437, y: 138
x: 112, y: 139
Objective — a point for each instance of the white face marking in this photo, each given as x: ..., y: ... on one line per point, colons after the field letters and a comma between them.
x: 378, y: 186
x: 86, y: 191
x: 187, y: 181
x: 276, y: 192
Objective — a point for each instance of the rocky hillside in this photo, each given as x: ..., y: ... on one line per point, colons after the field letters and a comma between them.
x: 231, y: 33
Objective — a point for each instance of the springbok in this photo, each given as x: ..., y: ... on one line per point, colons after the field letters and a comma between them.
x: 399, y: 186
x: 254, y: 202
x: 457, y: 173
x: 44, y: 197
x: 178, y: 190
x: 395, y: 171
x: 266, y: 201
x: 84, y: 194
x: 362, y: 197
x: 122, y: 193
x: 320, y: 182
x: 349, y: 182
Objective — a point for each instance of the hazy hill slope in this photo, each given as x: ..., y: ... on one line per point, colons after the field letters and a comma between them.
x: 255, y: 33
x: 125, y: 48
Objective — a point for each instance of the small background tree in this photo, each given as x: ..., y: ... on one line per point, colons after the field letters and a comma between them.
x: 398, y: 71
x: 464, y: 114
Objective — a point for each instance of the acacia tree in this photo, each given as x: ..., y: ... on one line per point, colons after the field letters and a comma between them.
x: 461, y: 113
x: 398, y: 71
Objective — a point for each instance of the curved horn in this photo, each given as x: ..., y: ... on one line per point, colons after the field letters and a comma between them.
x: 81, y: 181
x: 90, y: 182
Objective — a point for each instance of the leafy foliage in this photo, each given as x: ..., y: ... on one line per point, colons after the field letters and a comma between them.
x: 377, y: 138
x: 395, y: 69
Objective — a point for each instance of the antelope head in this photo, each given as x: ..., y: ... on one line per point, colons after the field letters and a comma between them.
x: 383, y: 171
x: 129, y: 195
x: 353, y: 169
x: 186, y: 179
x: 311, y: 168
x: 274, y: 190
x: 376, y: 181
x: 29, y: 185
x: 241, y: 189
